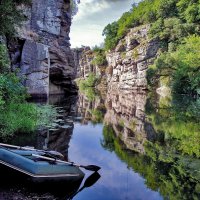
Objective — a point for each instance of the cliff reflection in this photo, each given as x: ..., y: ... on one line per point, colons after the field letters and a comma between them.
x: 153, y: 137
x: 91, y: 109
x: 126, y: 114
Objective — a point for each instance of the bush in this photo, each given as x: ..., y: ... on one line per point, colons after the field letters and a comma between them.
x: 11, y: 16
x: 24, y: 118
x: 4, y: 59
x: 90, y: 81
x: 99, y: 58
x: 11, y: 90
x: 182, y: 66
x: 89, y: 92
x: 110, y: 33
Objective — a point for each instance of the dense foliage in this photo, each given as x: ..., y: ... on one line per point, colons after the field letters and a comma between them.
x: 10, y: 15
x: 176, y: 24
x: 4, y: 59
x: 181, y: 67
x: 90, y: 81
x: 99, y: 57
x: 170, y: 19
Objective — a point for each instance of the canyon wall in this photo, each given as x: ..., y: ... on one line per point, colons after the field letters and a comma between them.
x: 42, y: 51
x: 127, y: 63
x: 84, y: 62
x: 130, y: 59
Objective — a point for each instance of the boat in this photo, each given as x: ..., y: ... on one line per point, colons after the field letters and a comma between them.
x: 38, y: 166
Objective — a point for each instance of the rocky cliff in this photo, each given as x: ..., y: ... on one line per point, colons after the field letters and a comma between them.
x: 84, y: 62
x: 42, y: 49
x: 130, y: 59
x: 128, y: 62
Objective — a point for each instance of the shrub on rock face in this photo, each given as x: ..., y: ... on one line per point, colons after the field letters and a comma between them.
x: 100, y: 58
x: 10, y: 16
x: 4, y: 59
x: 182, y: 65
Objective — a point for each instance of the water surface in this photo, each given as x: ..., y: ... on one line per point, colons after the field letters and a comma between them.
x: 147, y: 148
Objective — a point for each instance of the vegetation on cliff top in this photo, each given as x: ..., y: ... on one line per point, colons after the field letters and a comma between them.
x: 180, y: 66
x: 175, y: 23
x: 170, y: 19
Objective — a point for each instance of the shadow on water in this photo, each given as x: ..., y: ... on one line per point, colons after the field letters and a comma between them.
x: 17, y: 186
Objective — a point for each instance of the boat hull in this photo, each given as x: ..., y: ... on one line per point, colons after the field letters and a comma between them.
x: 37, y: 170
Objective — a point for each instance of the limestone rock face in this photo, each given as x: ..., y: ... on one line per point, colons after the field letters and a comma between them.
x: 127, y: 63
x: 35, y: 66
x: 46, y: 32
x: 130, y: 59
x: 84, y: 62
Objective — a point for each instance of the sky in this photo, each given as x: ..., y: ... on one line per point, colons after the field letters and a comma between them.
x: 92, y: 17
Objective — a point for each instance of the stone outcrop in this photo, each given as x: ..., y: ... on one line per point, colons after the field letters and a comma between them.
x: 127, y: 64
x: 84, y: 62
x: 42, y: 51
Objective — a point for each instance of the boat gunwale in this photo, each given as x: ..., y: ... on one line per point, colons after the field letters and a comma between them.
x: 37, y: 175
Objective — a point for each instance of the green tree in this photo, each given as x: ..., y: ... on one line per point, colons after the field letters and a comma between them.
x: 4, y: 59
x: 182, y: 66
x: 10, y: 15
x: 110, y: 32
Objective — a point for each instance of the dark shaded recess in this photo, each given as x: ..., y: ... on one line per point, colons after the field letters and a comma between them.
x: 15, y: 47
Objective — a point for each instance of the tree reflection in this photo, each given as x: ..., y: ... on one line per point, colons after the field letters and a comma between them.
x: 158, y: 138
x: 169, y: 176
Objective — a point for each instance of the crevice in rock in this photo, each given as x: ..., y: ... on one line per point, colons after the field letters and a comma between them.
x: 15, y: 47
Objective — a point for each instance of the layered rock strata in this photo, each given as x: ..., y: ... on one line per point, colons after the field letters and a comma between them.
x: 127, y: 64
x: 84, y: 62
x: 42, y: 51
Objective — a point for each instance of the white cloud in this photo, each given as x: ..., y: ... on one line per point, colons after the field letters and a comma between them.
x: 92, y: 17
x: 89, y: 8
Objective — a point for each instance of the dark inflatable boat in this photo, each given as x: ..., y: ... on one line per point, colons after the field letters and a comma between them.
x: 35, y: 165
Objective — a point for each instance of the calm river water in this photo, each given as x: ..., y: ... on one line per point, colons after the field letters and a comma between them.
x: 147, y: 148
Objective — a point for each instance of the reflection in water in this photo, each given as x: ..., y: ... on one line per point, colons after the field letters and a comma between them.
x: 164, y: 133
x: 56, y: 137
x: 27, y: 190
x: 91, y: 110
x: 147, y: 148
x: 90, y: 181
x: 125, y: 111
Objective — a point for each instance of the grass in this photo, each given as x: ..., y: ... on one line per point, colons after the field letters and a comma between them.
x: 24, y: 118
